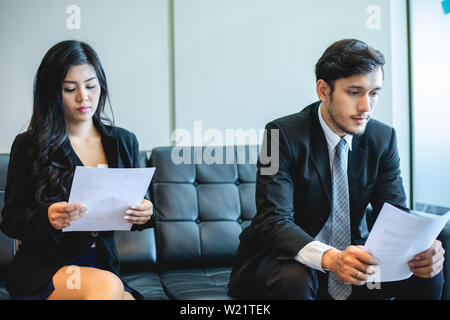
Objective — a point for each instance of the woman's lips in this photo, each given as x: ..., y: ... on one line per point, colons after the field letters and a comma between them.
x: 83, y: 109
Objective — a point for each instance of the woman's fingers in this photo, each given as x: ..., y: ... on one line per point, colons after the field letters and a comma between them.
x: 63, y: 214
x: 58, y: 219
x: 75, y: 212
x: 139, y: 213
x: 137, y: 217
x: 145, y: 205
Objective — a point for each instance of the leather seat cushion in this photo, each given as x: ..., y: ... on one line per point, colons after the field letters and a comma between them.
x: 147, y: 283
x: 197, y: 284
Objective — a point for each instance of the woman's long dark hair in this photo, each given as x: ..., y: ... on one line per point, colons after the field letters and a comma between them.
x: 48, y: 129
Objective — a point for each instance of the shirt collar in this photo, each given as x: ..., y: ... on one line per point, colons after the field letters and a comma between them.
x: 332, y: 138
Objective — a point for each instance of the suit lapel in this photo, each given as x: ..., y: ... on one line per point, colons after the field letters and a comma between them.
x: 109, y: 145
x: 71, y: 154
x: 356, y: 157
x: 111, y: 153
x: 319, y: 153
x: 321, y: 160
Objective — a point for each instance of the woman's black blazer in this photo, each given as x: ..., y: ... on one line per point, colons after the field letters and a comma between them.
x: 43, y: 250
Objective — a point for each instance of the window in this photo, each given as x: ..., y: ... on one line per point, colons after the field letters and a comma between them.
x: 430, y: 49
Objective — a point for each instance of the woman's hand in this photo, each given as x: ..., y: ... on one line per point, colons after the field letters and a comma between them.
x: 61, y: 214
x: 139, y: 214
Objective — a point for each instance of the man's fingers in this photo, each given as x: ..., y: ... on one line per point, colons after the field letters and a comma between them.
x: 356, y: 265
x: 429, y: 270
x: 426, y: 254
x: 354, y: 276
x: 361, y: 272
x: 423, y: 262
x: 426, y: 259
x: 364, y: 256
x: 436, y: 246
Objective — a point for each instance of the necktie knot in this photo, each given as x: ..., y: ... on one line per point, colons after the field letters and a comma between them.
x: 340, y: 147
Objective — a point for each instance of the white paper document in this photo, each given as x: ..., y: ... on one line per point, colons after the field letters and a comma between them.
x: 108, y: 194
x: 397, y: 236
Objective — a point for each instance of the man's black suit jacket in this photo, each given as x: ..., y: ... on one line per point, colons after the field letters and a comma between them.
x: 294, y: 204
x: 43, y: 249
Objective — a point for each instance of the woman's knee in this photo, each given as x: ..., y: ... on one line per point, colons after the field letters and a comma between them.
x: 74, y: 282
x: 105, y: 285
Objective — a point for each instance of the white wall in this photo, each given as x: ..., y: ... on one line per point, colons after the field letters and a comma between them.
x: 228, y: 64
x: 131, y: 38
x: 242, y: 63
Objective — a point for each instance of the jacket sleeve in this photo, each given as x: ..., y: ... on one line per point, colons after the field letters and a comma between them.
x: 274, y: 220
x: 389, y: 185
x: 23, y: 217
x: 137, y: 164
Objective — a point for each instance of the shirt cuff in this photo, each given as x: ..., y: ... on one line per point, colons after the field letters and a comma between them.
x: 311, y: 255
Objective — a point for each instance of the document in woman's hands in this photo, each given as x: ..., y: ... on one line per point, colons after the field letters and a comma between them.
x: 397, y: 236
x: 107, y: 193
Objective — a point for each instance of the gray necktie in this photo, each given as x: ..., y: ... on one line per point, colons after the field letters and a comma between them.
x: 340, y: 214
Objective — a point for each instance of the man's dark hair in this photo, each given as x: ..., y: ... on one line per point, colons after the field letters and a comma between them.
x: 346, y: 58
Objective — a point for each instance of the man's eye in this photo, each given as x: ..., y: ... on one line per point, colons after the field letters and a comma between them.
x: 374, y: 94
x: 354, y: 93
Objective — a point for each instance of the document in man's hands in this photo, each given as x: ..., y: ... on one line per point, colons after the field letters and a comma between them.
x: 107, y: 193
x: 397, y: 236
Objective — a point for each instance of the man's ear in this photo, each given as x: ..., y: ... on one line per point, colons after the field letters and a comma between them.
x: 323, y: 90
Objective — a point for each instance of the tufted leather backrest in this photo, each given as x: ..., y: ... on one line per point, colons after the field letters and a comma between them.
x: 7, y: 245
x: 203, y: 197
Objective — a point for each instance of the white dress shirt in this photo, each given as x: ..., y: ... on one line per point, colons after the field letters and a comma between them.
x: 311, y: 254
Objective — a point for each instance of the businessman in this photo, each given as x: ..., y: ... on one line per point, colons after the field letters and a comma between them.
x: 305, y: 241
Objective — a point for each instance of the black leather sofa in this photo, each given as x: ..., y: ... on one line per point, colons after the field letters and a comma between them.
x: 200, y: 210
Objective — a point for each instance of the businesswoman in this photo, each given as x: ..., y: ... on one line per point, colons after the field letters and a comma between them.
x: 67, y: 129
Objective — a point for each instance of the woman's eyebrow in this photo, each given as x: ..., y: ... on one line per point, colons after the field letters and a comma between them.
x: 69, y: 81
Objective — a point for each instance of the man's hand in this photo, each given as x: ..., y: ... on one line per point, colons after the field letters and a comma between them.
x: 140, y: 214
x: 352, y: 265
x: 61, y: 214
x: 428, y: 263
